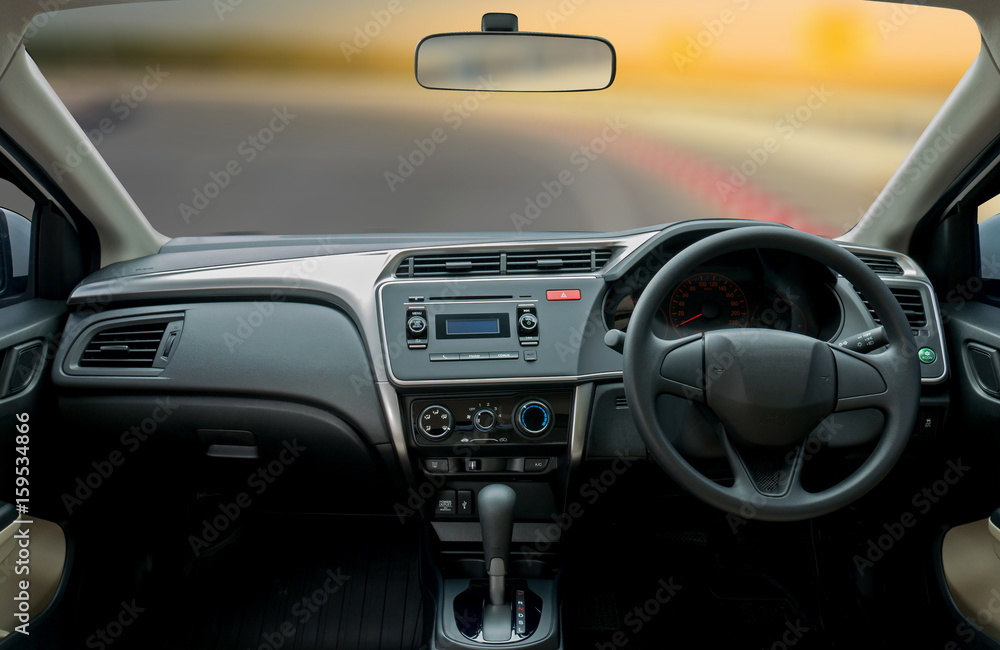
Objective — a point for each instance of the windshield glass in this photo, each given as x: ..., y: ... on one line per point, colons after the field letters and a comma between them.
x: 304, y: 117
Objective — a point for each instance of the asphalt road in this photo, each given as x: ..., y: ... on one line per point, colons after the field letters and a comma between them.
x: 248, y: 167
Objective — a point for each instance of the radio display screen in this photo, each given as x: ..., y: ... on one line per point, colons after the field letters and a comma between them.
x: 472, y: 326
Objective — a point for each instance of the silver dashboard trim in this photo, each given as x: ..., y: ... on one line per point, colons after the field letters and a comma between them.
x: 912, y: 275
x: 394, y: 420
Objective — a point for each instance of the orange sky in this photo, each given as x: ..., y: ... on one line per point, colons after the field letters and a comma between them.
x: 869, y: 42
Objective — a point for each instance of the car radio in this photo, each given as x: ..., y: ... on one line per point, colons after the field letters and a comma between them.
x: 492, y: 329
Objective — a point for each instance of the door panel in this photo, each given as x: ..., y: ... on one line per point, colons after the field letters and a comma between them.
x: 29, y: 332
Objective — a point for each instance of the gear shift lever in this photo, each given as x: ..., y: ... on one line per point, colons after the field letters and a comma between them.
x: 496, y: 517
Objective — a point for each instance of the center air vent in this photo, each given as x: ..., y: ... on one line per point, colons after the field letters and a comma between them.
x: 547, y: 262
x: 910, y: 300
x: 881, y: 264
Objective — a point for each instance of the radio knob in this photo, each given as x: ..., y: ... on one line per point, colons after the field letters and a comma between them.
x: 435, y: 422
x: 533, y: 418
x: 484, y: 420
x: 416, y: 325
x: 527, y: 322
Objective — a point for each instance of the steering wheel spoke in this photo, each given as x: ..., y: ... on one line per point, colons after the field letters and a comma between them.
x: 861, y: 380
x: 764, y: 474
x: 677, y: 367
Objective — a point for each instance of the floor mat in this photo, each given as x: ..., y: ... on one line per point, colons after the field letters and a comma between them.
x: 347, y: 585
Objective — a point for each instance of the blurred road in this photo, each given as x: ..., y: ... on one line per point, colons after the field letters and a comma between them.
x: 203, y: 160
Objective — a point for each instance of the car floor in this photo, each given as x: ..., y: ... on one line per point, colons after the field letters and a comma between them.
x: 341, y: 583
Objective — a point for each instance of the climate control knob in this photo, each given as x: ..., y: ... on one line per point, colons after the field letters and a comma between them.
x: 484, y: 420
x: 435, y: 422
x: 533, y: 418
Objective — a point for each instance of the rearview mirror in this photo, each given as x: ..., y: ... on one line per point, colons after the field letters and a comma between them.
x: 502, y: 59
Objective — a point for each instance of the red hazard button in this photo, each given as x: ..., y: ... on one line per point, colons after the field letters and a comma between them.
x: 562, y: 294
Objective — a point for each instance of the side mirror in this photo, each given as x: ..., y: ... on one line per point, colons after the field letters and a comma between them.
x: 15, y: 253
x: 500, y: 58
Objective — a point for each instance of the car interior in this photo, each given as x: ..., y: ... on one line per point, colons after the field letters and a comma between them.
x: 420, y: 430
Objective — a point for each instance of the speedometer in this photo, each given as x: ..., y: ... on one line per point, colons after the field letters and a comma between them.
x: 707, y: 301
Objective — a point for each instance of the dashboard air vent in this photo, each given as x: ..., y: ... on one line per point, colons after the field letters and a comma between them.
x: 549, y: 262
x: 567, y: 261
x: 127, y: 346
x: 910, y: 300
x: 423, y: 266
x: 882, y: 265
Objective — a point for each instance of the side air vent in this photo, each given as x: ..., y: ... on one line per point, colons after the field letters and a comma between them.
x: 882, y: 265
x: 910, y: 300
x: 128, y: 346
x: 550, y: 262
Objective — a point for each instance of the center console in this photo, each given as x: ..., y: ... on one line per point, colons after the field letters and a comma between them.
x: 486, y: 374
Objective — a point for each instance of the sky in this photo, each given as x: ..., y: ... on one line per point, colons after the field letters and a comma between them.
x: 849, y: 40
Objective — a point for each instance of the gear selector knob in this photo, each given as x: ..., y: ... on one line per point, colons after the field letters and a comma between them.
x: 495, y: 504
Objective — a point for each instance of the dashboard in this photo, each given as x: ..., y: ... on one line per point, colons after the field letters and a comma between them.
x: 755, y: 288
x: 467, y: 355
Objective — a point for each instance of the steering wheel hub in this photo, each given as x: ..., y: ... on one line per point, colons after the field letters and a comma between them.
x: 769, y: 388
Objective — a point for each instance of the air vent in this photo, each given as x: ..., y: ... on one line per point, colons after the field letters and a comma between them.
x: 621, y: 402
x: 424, y: 266
x: 127, y: 346
x: 567, y: 261
x: 882, y: 265
x: 910, y: 300
x: 549, y: 262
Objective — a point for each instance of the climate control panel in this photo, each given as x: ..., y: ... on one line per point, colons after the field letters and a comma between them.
x: 511, y: 419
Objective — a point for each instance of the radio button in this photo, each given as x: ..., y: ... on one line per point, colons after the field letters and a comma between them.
x: 475, y: 356
x: 416, y: 325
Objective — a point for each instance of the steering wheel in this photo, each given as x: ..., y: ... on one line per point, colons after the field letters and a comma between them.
x: 771, y: 394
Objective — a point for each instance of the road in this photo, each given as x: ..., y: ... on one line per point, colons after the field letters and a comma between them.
x: 200, y: 161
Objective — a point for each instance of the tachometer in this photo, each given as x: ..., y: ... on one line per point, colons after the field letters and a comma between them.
x: 707, y: 301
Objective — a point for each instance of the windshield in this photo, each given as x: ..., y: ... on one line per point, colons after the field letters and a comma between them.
x: 304, y: 117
